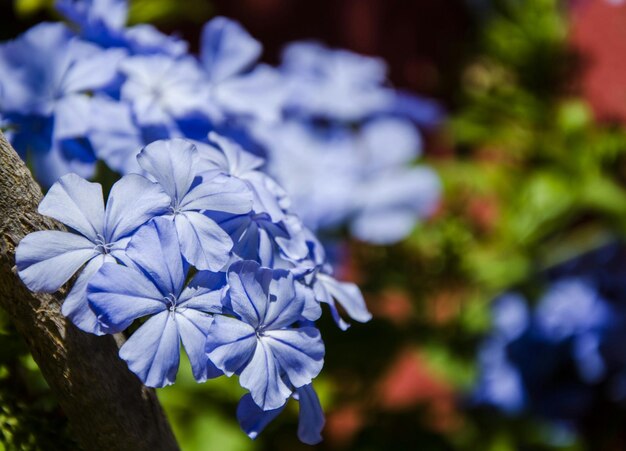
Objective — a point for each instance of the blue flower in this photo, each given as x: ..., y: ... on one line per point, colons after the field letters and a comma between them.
x: 391, y: 204
x: 174, y: 165
x: 320, y: 171
x: 47, y: 259
x: 363, y: 178
x: 334, y: 83
x: 47, y: 65
x: 163, y: 89
x: 500, y: 384
x: 103, y: 22
x: 154, y: 284
x: 570, y: 307
x: 270, y: 357
x: 228, y: 54
x: 563, y: 357
x: 253, y: 419
x: 45, y: 76
x: 99, y: 21
x: 228, y: 157
x: 510, y: 316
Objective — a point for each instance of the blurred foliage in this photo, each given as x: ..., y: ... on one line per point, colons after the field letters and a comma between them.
x: 530, y: 180
x: 168, y: 11
x: 28, y: 7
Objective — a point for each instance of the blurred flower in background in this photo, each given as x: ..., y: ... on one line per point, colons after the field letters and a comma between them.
x: 561, y: 358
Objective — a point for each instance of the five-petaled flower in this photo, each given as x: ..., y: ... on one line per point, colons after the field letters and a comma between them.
x: 154, y: 284
x: 47, y: 259
x: 260, y: 343
x: 174, y: 165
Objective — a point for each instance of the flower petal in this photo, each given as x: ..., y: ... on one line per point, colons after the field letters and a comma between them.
x: 193, y: 327
x: 75, y: 306
x: 72, y: 116
x: 171, y: 163
x: 115, y: 137
x: 227, y: 49
x: 50, y: 166
x: 77, y: 203
x: 203, y: 243
x: 300, y: 353
x: 285, y: 308
x: 262, y: 377
x: 204, y: 292
x: 155, y: 248
x: 153, y: 351
x: 312, y: 309
x: 219, y: 193
x: 45, y: 260
x: 133, y: 201
x: 230, y: 343
x: 245, y: 235
x: 349, y: 297
x: 248, y: 292
x: 311, y: 420
x: 118, y: 295
x: 91, y: 68
x: 252, y: 418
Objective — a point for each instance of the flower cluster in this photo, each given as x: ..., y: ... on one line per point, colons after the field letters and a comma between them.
x: 344, y: 145
x: 565, y: 356
x: 334, y: 134
x: 202, y: 249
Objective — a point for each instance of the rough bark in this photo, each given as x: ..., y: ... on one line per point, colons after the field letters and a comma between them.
x: 107, y: 406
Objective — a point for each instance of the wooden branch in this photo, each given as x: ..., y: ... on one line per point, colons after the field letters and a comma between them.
x: 107, y: 406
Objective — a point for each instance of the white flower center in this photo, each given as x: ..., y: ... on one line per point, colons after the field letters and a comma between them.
x: 101, y: 245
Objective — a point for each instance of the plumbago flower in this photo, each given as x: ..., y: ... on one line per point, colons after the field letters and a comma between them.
x: 47, y: 259
x: 174, y: 165
x: 280, y: 240
x: 249, y: 306
x: 45, y: 76
x: 271, y: 357
x: 268, y: 230
x: 162, y: 89
x: 559, y: 356
x: 154, y: 284
x: 103, y: 90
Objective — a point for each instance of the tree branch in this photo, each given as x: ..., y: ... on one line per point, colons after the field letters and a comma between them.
x: 107, y: 406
